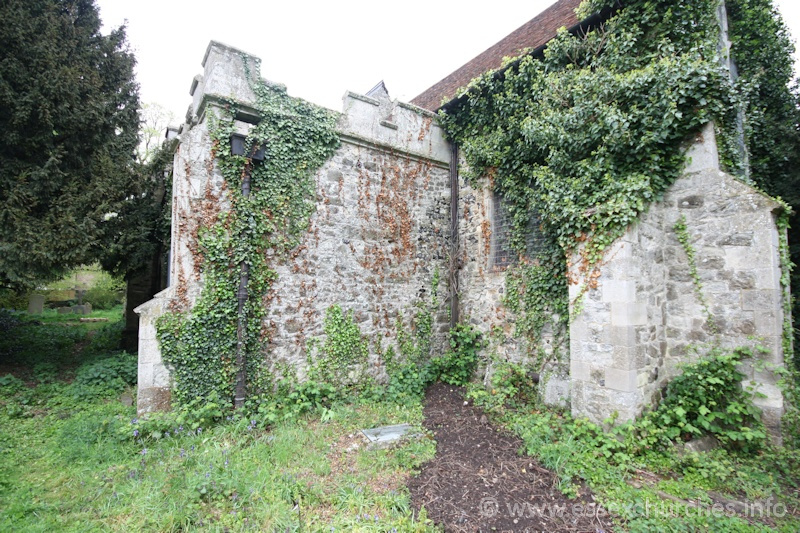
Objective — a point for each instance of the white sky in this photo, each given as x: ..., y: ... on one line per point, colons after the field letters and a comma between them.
x: 320, y: 49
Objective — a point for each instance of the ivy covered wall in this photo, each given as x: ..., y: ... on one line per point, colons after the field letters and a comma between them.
x: 346, y: 232
x: 591, y: 133
x: 342, y: 233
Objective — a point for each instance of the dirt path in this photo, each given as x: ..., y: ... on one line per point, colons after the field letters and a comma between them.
x: 479, y: 482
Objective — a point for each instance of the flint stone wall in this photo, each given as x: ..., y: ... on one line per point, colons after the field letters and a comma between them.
x: 376, y: 240
x: 380, y: 233
x: 482, y: 286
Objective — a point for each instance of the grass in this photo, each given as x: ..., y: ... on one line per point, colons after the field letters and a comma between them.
x: 299, y: 475
x: 662, y: 490
x: 51, y: 316
x: 69, y: 460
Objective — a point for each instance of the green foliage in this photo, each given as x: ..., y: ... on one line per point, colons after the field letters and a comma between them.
x: 29, y: 342
x: 107, y: 375
x: 291, y: 401
x: 762, y: 49
x: 201, y: 345
x: 83, y: 435
x: 457, y: 366
x: 342, y: 357
x: 142, y: 225
x: 10, y: 299
x: 529, y: 290
x: 630, y: 470
x: 682, y: 233
x: 411, y: 370
x: 82, y: 469
x: 591, y: 134
x: 706, y: 398
x: 101, y: 298
x: 510, y: 386
x: 408, y: 380
x: 68, y: 133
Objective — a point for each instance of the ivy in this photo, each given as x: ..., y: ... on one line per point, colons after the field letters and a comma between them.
x: 259, y: 229
x: 457, y: 366
x: 682, y: 234
x: 706, y: 398
x: 592, y: 133
x: 342, y: 357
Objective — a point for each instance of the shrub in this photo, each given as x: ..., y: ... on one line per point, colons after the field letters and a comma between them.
x: 107, y: 339
x: 459, y: 363
x: 407, y: 381
x: 13, y: 300
x: 8, y: 321
x: 707, y: 397
x: 106, y: 376
x: 103, y: 298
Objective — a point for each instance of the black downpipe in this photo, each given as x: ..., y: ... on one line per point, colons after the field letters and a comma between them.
x: 240, y: 392
x: 454, y: 247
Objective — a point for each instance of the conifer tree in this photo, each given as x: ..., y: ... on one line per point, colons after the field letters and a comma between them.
x: 68, y: 135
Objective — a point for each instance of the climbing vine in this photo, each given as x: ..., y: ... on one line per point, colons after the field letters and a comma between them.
x: 590, y: 133
x: 342, y: 357
x: 259, y: 229
x: 682, y: 233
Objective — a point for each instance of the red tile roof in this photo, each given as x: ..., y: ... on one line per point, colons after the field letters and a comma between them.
x: 532, y: 34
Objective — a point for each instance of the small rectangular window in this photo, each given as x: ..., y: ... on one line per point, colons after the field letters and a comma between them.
x: 502, y: 255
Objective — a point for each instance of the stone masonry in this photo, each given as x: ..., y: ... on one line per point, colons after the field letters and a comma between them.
x: 377, y: 238
x: 645, y: 317
x: 482, y: 289
x: 381, y: 231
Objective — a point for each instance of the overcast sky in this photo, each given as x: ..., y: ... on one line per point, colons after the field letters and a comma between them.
x: 320, y: 49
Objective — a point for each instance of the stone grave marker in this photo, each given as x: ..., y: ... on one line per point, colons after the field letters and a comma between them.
x: 36, y: 304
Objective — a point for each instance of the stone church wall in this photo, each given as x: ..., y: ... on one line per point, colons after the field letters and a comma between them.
x: 380, y: 235
x: 630, y: 334
x: 376, y: 241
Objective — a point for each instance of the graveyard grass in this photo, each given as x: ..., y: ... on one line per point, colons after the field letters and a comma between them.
x: 71, y: 458
x: 70, y: 462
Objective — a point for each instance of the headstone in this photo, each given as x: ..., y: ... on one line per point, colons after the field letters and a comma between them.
x: 77, y: 309
x: 87, y: 308
x: 35, y: 304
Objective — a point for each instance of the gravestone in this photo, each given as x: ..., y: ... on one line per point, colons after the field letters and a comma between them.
x: 35, y: 304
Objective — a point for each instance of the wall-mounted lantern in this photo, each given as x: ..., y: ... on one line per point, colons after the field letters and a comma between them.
x: 239, y: 145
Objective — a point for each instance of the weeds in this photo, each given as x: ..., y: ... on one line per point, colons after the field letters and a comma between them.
x: 76, y: 459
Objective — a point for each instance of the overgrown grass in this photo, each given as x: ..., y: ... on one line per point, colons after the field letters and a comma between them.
x: 69, y: 459
x: 647, y: 483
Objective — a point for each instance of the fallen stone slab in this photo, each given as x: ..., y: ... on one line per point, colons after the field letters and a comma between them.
x: 385, y: 436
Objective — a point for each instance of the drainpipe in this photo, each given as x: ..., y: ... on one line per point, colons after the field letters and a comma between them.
x: 454, y: 249
x: 239, y: 147
x: 241, y: 296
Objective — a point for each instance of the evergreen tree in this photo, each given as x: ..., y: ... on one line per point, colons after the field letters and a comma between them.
x: 68, y: 135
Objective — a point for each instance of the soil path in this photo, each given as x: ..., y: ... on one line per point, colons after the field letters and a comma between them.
x: 479, y: 482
